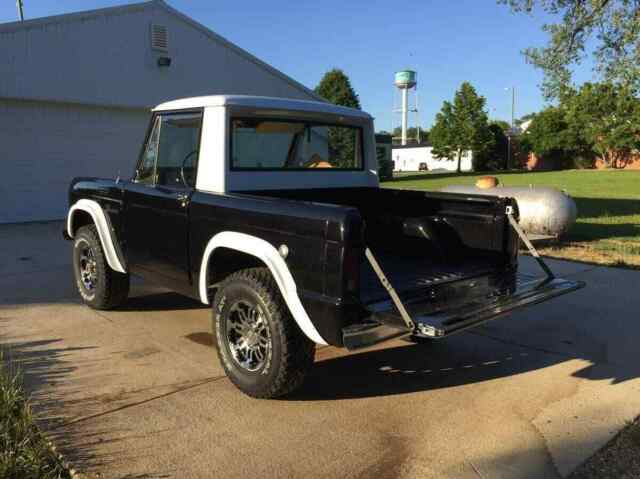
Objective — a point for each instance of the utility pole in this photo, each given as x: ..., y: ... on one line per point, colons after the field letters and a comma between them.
x: 20, y: 10
x: 513, y: 106
x: 513, y: 125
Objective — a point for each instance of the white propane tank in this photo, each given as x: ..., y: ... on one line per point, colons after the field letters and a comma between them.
x: 543, y: 210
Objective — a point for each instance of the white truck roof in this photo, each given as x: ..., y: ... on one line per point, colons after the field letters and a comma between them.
x: 262, y: 102
x: 215, y: 174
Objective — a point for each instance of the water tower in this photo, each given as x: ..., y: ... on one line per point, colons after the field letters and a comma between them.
x: 406, y: 80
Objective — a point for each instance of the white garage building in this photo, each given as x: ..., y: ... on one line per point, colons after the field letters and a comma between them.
x: 76, y: 89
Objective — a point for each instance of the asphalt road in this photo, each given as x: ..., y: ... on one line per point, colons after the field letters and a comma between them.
x: 139, y: 392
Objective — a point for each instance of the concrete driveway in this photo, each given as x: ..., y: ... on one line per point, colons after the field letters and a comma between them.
x: 139, y: 392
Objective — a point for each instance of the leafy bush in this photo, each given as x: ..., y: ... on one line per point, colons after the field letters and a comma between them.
x: 583, y: 162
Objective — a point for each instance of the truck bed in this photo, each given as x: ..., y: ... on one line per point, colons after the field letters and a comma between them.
x: 411, y: 273
x: 457, y: 236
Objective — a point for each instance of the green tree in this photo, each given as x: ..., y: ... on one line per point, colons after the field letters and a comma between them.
x: 606, y: 118
x: 412, y: 134
x: 551, y: 137
x: 336, y: 88
x: 503, y: 125
x: 608, y: 29
x: 599, y: 119
x: 461, y: 126
x: 495, y: 157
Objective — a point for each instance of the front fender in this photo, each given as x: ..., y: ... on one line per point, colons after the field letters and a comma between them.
x: 114, y: 259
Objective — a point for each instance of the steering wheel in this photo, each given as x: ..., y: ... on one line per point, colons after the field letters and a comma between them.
x: 184, y: 162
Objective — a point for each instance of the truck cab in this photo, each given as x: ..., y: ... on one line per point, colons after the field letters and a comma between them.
x: 270, y: 211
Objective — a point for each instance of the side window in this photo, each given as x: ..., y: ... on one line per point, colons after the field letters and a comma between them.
x: 145, y: 172
x: 178, y: 150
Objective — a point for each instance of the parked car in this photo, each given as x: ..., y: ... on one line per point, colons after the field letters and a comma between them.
x: 269, y: 210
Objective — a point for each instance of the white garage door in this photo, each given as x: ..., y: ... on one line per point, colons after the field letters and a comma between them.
x: 44, y: 145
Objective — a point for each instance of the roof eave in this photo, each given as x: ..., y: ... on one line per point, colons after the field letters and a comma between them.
x: 74, y: 16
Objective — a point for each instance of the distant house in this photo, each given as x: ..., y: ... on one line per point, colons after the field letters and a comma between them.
x: 410, y: 157
x: 76, y: 89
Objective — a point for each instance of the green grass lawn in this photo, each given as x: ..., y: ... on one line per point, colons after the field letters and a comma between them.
x: 608, y: 227
x: 24, y: 452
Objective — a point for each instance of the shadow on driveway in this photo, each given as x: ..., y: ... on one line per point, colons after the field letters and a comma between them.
x: 464, y: 359
x: 161, y: 302
x: 44, y: 368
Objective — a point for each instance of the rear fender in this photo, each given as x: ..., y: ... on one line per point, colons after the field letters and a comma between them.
x: 266, y: 253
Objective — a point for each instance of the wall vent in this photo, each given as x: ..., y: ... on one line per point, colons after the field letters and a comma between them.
x: 159, y: 38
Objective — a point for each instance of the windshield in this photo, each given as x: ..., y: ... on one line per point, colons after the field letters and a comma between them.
x: 273, y: 144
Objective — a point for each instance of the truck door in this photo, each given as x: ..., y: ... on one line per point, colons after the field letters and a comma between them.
x: 157, y: 200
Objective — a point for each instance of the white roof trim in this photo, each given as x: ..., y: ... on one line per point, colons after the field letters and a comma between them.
x: 135, y: 7
x: 262, y: 102
x: 77, y: 16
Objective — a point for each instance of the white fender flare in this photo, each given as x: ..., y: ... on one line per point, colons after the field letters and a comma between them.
x: 264, y: 251
x: 102, y: 225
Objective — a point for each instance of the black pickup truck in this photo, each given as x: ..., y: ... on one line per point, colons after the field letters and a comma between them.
x: 270, y: 210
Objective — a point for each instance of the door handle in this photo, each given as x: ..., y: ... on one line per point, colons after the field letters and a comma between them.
x: 183, y: 199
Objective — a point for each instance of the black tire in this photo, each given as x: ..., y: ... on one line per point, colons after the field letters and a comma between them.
x: 291, y: 352
x: 110, y: 288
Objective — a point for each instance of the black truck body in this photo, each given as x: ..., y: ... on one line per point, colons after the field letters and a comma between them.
x: 368, y: 264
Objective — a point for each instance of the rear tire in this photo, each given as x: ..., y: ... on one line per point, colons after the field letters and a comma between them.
x: 261, y: 348
x: 99, y: 286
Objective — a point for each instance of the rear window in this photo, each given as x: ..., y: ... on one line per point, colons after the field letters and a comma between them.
x: 275, y: 144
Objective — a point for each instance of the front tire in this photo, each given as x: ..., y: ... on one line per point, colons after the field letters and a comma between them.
x: 99, y: 286
x: 260, y: 346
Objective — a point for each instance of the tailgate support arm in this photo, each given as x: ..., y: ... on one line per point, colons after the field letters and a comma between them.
x: 392, y: 292
x: 528, y: 244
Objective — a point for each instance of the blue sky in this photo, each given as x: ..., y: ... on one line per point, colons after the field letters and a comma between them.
x: 445, y: 41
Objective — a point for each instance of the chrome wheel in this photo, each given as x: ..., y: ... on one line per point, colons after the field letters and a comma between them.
x: 88, y: 267
x: 248, y: 336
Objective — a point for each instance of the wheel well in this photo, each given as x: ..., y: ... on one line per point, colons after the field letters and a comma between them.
x: 225, y: 261
x: 79, y: 219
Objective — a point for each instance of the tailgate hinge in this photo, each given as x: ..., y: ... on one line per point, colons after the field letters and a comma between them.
x: 527, y: 243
